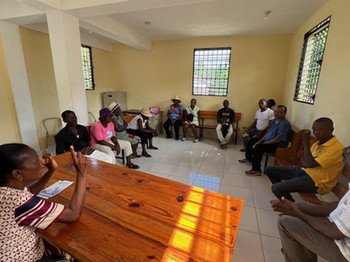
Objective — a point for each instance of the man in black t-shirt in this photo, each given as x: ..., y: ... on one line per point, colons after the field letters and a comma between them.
x: 225, y: 118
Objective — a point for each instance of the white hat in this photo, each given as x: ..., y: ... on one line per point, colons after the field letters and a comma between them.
x: 176, y: 98
x: 145, y: 111
x: 113, y: 106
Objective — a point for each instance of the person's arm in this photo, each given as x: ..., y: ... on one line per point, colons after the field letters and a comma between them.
x: 179, y: 116
x: 308, y: 160
x: 260, y: 141
x: 148, y: 128
x: 219, y: 116
x: 51, y: 165
x: 73, y: 212
x: 320, y: 224
x: 118, y: 127
x: 116, y: 145
x: 59, y: 144
x: 232, y: 116
x: 251, y: 125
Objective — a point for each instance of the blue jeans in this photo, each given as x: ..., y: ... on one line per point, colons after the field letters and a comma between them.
x: 287, y: 179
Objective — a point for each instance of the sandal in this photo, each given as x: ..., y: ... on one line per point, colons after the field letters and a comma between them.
x: 146, y: 155
x: 135, y: 156
x: 153, y: 147
x: 133, y: 166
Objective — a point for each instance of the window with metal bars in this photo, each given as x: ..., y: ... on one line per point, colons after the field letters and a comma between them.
x: 211, y: 68
x: 88, y: 68
x: 311, y: 62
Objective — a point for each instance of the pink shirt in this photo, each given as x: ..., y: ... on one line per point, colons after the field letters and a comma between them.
x: 99, y: 132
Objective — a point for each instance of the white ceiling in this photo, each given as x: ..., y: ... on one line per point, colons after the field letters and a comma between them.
x: 124, y: 20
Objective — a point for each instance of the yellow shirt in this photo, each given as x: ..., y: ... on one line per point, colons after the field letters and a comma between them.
x: 329, y: 156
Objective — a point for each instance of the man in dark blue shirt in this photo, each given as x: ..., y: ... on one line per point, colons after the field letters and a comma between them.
x: 277, y: 135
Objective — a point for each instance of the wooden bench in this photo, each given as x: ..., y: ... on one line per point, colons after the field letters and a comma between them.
x: 292, y: 155
x: 128, y: 118
x: 203, y: 115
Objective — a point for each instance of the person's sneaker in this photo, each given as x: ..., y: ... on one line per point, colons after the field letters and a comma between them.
x: 196, y: 141
x: 245, y: 161
x: 183, y: 139
x: 253, y: 172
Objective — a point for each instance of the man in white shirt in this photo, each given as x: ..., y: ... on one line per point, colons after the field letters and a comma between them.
x: 258, y: 128
x: 309, y: 230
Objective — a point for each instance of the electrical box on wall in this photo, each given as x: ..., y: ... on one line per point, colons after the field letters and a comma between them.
x: 115, y: 96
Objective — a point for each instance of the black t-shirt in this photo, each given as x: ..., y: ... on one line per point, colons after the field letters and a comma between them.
x: 226, y: 116
x: 65, y: 138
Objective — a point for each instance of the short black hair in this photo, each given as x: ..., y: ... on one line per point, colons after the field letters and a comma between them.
x: 11, y: 157
x: 284, y: 108
x: 272, y: 102
x: 325, y: 120
x: 64, y: 114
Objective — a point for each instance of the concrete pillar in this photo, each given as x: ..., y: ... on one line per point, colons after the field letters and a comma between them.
x: 19, y: 82
x: 66, y: 55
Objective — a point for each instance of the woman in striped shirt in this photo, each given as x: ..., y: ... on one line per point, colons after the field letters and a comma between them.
x: 21, y: 211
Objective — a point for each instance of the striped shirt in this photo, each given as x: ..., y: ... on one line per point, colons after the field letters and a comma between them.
x: 21, y: 213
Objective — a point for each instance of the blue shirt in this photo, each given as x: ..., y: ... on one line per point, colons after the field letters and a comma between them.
x: 281, y: 131
x: 175, y: 111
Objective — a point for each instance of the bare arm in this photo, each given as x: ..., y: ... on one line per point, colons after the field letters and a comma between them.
x: 307, y: 159
x: 118, y: 127
x: 251, y: 125
x: 320, y: 224
x: 73, y: 212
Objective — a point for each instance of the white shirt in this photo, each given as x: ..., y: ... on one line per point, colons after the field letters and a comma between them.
x: 133, y: 123
x: 263, y: 118
x: 341, y: 217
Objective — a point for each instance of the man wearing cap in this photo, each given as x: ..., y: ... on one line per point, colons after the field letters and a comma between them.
x: 103, y: 138
x: 77, y: 136
x: 120, y: 128
x: 225, y: 118
x: 174, y: 115
x: 139, y: 126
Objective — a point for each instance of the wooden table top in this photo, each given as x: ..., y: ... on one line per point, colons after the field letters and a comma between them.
x: 134, y: 216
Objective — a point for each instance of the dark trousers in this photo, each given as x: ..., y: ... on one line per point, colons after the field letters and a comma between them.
x: 177, y: 125
x: 255, y: 154
x: 294, y: 180
x: 142, y: 135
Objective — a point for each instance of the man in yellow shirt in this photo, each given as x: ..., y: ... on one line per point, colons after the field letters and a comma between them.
x: 321, y: 165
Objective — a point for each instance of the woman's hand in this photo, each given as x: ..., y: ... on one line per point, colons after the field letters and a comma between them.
x: 79, y: 161
x: 48, y: 161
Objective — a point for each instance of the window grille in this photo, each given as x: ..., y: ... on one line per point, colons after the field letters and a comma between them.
x: 311, y: 62
x: 88, y: 68
x: 211, y: 68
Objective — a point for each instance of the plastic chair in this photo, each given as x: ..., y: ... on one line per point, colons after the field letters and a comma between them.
x: 52, y: 126
x: 92, y: 118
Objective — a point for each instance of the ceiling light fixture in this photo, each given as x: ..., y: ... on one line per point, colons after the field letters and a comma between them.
x: 266, y: 14
x: 147, y: 22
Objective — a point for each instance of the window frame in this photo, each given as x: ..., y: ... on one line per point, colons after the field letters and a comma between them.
x: 324, y: 24
x: 228, y: 70
x: 91, y: 69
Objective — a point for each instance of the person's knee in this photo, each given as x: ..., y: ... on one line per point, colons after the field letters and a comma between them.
x: 276, y: 189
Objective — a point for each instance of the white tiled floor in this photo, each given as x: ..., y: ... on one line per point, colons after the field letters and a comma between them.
x: 208, y: 166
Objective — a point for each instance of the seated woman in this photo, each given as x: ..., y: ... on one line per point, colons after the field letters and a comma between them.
x: 21, y: 211
x: 77, y: 136
x: 174, y: 115
x: 191, y: 120
x: 139, y: 126
x: 120, y: 128
x: 103, y: 139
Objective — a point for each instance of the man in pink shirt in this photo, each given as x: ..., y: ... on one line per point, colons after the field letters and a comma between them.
x: 103, y: 138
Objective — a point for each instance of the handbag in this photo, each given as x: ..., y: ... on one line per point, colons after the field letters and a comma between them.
x: 190, y: 117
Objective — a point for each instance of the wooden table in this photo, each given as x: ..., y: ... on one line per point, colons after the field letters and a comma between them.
x: 134, y: 216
